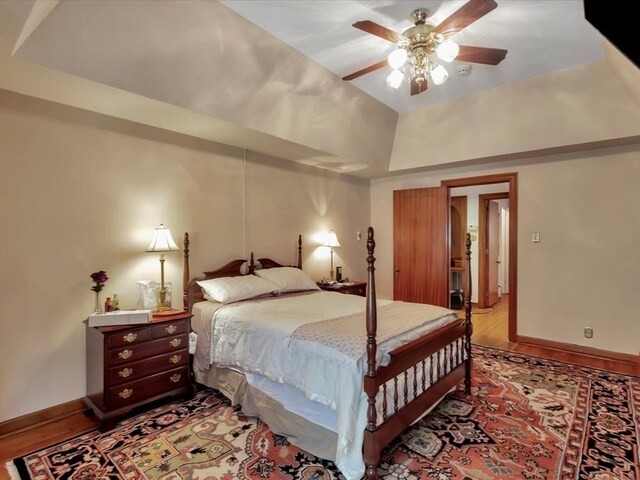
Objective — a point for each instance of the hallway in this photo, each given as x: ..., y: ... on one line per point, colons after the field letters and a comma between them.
x: 490, y: 325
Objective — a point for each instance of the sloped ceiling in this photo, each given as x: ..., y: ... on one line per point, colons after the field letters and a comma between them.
x: 201, y: 69
x: 541, y: 37
x: 259, y: 92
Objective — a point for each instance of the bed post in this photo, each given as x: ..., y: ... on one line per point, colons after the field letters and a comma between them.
x: 185, y: 272
x: 372, y: 452
x: 467, y: 320
x: 252, y: 265
x: 300, y: 252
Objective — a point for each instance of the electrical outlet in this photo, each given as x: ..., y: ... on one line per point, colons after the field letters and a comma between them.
x: 535, y: 237
x: 358, y: 236
x: 588, y: 332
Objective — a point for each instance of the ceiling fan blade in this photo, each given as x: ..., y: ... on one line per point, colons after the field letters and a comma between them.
x: 488, y: 56
x: 416, y: 89
x: 379, y: 31
x: 364, y: 71
x: 465, y: 16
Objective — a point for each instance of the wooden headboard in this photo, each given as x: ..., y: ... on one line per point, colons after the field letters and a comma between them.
x: 191, y: 291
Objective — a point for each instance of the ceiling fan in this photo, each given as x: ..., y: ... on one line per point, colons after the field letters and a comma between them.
x: 418, y: 46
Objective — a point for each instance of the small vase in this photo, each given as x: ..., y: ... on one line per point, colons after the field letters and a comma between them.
x: 98, y: 306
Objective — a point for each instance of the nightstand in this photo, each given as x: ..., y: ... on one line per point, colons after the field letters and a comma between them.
x: 130, y: 366
x: 354, y: 288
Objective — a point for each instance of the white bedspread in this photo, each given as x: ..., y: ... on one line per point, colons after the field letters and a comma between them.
x: 255, y: 336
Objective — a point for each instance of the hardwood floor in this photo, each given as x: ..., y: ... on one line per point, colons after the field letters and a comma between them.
x: 490, y: 329
x: 19, y: 443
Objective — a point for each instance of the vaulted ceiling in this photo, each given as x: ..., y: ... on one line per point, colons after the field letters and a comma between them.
x: 540, y: 36
x: 266, y: 75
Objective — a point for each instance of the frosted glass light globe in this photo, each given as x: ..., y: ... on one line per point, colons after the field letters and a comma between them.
x: 439, y: 74
x: 447, y: 51
x: 395, y: 79
x: 397, y: 58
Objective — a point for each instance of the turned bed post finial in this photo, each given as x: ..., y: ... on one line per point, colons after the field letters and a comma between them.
x: 185, y: 272
x: 467, y: 319
x: 300, y: 251
x: 252, y: 265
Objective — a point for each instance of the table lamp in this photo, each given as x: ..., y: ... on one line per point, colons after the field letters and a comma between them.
x: 331, y: 241
x: 162, y: 242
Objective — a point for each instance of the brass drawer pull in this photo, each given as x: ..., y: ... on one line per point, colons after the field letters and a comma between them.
x: 125, y: 354
x: 126, y: 393
x: 130, y: 337
x: 175, y: 342
x: 125, y: 372
x: 175, y: 377
x: 175, y: 359
x: 171, y: 329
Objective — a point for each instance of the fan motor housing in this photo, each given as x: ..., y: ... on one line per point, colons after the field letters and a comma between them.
x: 420, y: 15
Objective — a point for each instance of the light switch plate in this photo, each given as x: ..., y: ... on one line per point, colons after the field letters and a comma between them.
x: 535, y: 237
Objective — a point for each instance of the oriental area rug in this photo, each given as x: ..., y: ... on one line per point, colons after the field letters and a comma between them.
x: 527, y: 418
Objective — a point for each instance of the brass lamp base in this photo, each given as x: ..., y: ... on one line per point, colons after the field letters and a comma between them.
x: 331, y: 271
x: 162, y: 300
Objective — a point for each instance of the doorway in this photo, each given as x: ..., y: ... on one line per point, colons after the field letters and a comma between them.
x: 493, y: 250
x: 511, y: 179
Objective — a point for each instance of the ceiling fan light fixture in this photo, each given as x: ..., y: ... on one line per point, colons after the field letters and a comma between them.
x: 438, y: 74
x: 395, y: 79
x: 397, y: 58
x: 421, y: 47
x: 447, y: 51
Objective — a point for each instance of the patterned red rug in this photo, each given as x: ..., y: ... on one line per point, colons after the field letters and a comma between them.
x: 527, y: 418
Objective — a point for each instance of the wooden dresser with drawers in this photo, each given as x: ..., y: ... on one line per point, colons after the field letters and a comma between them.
x: 131, y: 366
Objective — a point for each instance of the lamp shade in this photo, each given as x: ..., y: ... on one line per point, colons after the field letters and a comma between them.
x: 162, y: 240
x: 331, y: 240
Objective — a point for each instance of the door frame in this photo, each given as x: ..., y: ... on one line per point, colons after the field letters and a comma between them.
x: 512, y: 179
x: 483, y: 239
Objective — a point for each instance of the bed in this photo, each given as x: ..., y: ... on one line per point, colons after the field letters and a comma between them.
x: 333, y: 373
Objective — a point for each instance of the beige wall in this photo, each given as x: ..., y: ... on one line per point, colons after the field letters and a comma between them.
x: 311, y: 202
x: 584, y: 271
x: 82, y: 192
x: 564, y: 109
x: 626, y: 71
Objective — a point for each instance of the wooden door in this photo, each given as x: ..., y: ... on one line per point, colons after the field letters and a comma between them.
x: 421, y: 245
x: 493, y: 251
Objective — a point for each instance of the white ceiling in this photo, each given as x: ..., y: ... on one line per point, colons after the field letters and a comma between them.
x: 542, y: 36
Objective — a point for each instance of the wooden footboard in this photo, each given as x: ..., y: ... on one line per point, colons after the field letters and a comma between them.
x: 418, y: 375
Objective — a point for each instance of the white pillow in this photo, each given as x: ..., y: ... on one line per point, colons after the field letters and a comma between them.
x: 234, y: 289
x: 288, y: 279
